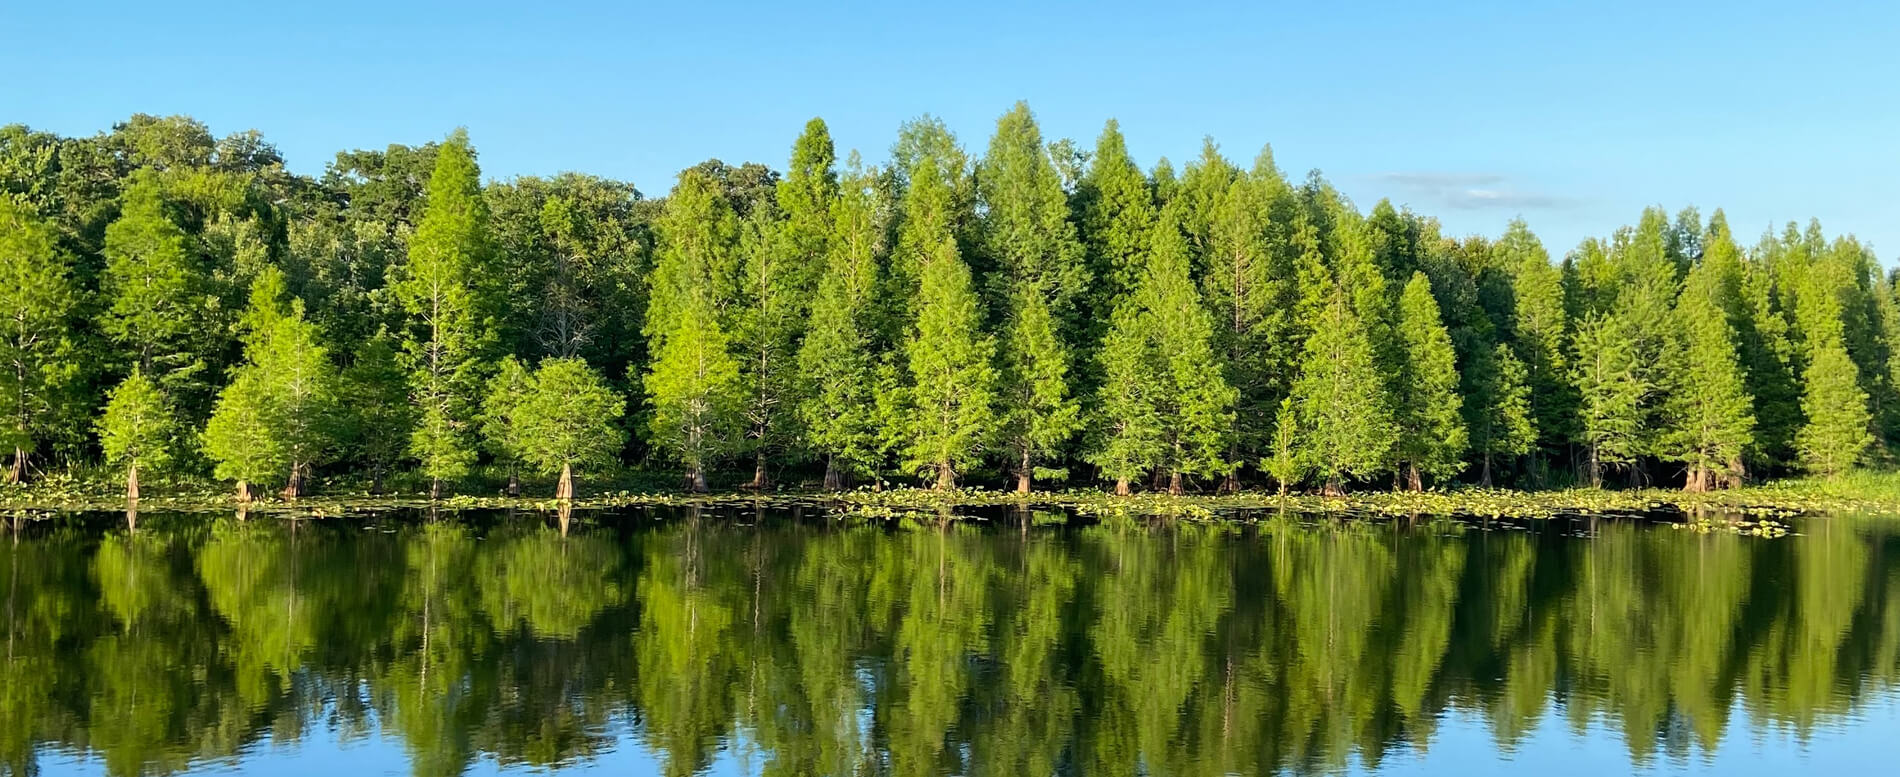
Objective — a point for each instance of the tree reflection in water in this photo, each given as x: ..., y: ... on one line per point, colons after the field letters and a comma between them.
x: 813, y: 647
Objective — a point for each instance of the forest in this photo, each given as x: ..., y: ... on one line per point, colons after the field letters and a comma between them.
x: 176, y: 306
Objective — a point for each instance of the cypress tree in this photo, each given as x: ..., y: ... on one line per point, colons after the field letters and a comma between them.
x: 508, y: 388
x: 1039, y: 415
x: 694, y: 390
x: 278, y: 415
x: 1541, y: 336
x: 1117, y: 214
x: 138, y: 430
x: 158, y: 300
x: 1127, y: 438
x: 380, y: 415
x: 1836, y: 435
x: 568, y: 419
x: 951, y: 417
x: 450, y: 329
x: 1285, y: 466
x: 1432, y: 435
x: 1710, y: 418
x: 1249, y: 285
x: 837, y: 407
x: 1504, y: 426
x: 768, y: 316
x: 36, y: 345
x: 1027, y: 238
x: 1197, y: 404
x: 1345, y: 413
x: 1612, y: 390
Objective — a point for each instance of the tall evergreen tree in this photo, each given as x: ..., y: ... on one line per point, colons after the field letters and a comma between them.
x: 380, y: 416
x: 1116, y: 215
x: 951, y: 420
x: 1432, y: 435
x: 835, y: 361
x: 1197, y: 403
x: 1345, y: 414
x: 694, y: 390
x: 450, y: 329
x: 138, y: 430
x: 37, y: 300
x: 1127, y: 438
x: 1038, y: 414
x: 158, y: 301
x: 1836, y: 435
x: 1612, y: 391
x: 508, y: 389
x: 1710, y: 418
x: 1542, y: 336
x: 278, y: 415
x: 1026, y: 236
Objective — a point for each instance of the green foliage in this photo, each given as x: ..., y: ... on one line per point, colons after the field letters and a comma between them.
x: 450, y: 330
x: 1038, y: 414
x: 37, y: 301
x: 1609, y: 381
x: 158, y: 311
x: 508, y: 389
x: 1837, y: 434
x: 377, y: 412
x: 1345, y: 414
x: 950, y: 417
x: 837, y: 408
x: 1026, y: 236
x: 694, y: 390
x: 139, y: 429
x: 1709, y: 413
x: 1432, y: 435
x: 1116, y: 217
x: 279, y: 414
x: 567, y: 419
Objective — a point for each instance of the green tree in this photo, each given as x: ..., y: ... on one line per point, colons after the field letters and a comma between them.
x: 1542, y: 335
x: 278, y: 415
x: 1709, y: 413
x: 1612, y: 390
x: 138, y: 430
x: 1346, y: 428
x: 1837, y: 433
x: 1432, y: 436
x: 1116, y: 214
x: 1503, y: 424
x: 951, y: 418
x: 508, y: 388
x: 158, y: 302
x: 1127, y: 438
x: 36, y: 341
x: 694, y: 390
x: 568, y: 420
x: 451, y: 328
x: 1285, y: 465
x: 1026, y: 236
x: 380, y: 416
x: 835, y: 361
x: 1038, y: 414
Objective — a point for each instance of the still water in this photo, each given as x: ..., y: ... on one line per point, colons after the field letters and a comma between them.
x: 740, y: 643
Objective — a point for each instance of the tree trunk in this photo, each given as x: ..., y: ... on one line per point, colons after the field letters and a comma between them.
x: 696, y: 480
x: 132, y: 484
x: 514, y: 480
x: 376, y: 480
x: 946, y: 477
x: 565, y: 490
x: 1174, y: 483
x: 293, y: 487
x: 243, y: 492
x: 1484, y: 477
x: 435, y: 488
x: 758, y: 473
x: 1737, y: 473
x: 1595, y: 468
x: 1413, y: 479
x: 1333, y: 486
x: 1121, y: 486
x: 18, y: 472
x: 833, y: 479
x: 1024, y: 474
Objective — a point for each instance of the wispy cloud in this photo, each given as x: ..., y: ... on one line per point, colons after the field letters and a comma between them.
x: 1474, y: 191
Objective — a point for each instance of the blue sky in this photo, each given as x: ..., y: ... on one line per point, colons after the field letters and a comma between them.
x: 1575, y: 115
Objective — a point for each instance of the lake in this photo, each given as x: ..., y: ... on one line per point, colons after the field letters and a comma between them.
x: 738, y: 641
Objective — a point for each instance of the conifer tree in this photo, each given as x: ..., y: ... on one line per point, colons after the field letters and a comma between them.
x: 36, y: 343
x: 937, y: 203
x: 1117, y: 213
x: 450, y: 329
x: 1197, y: 403
x: 1612, y: 391
x: 1345, y: 414
x: 278, y: 415
x: 1285, y: 465
x: 694, y: 390
x: 837, y: 407
x: 1250, y: 287
x: 1127, y: 437
x: 380, y: 415
x: 1038, y: 414
x: 951, y: 419
x: 158, y: 300
x: 1204, y: 184
x: 1026, y: 236
x: 1710, y: 418
x: 508, y: 388
x: 768, y: 316
x: 1432, y: 435
x: 1542, y: 335
x: 1504, y: 427
x: 138, y: 430
x: 1836, y: 435
x: 567, y: 420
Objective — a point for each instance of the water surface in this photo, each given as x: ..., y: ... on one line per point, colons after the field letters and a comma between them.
x: 762, y: 642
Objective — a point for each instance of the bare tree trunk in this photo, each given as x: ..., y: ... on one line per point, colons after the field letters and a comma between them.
x: 758, y: 473
x: 696, y: 480
x: 1595, y: 466
x: 1333, y: 486
x: 376, y: 480
x: 18, y: 472
x: 1023, y: 474
x: 514, y: 480
x: 293, y: 487
x: 243, y: 492
x: 1121, y: 486
x: 1174, y: 483
x: 1484, y: 477
x: 1737, y: 473
x: 132, y: 484
x: 564, y: 491
x: 1413, y: 479
x: 946, y: 477
x: 435, y: 488
x: 833, y: 481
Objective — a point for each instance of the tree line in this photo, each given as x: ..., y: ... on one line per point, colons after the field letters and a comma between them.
x: 1039, y: 313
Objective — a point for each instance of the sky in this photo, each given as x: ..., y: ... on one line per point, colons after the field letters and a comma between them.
x: 1573, y: 115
